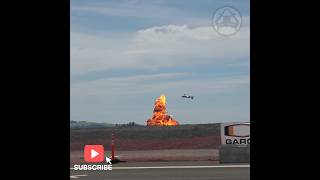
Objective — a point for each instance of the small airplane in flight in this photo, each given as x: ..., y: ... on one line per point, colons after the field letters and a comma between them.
x: 185, y: 96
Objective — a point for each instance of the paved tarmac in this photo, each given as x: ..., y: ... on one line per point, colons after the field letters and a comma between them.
x: 168, y: 171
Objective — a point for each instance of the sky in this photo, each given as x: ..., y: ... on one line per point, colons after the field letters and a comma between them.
x: 126, y: 53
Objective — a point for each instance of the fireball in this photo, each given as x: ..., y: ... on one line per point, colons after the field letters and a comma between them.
x: 160, y: 116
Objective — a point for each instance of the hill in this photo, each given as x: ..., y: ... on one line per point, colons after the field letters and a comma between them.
x: 86, y: 124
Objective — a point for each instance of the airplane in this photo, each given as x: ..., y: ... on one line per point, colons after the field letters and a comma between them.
x: 185, y: 96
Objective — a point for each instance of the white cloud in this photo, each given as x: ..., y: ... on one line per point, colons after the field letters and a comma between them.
x: 156, y: 47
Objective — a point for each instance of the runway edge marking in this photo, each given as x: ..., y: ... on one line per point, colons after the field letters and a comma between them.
x: 77, y: 176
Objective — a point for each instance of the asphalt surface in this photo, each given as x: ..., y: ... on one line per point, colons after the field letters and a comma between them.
x: 168, y: 171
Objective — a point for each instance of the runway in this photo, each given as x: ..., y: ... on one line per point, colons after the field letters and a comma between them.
x: 168, y: 171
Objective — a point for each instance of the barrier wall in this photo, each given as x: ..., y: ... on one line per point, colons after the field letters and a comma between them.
x: 234, y: 154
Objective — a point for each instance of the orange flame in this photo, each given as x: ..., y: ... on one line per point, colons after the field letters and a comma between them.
x: 160, y: 117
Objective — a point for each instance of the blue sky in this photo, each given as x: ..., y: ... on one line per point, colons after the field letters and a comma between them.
x: 124, y: 54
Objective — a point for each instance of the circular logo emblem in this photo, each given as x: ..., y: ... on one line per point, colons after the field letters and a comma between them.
x: 226, y: 21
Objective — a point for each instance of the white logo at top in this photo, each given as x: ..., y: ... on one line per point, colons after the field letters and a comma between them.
x: 226, y: 21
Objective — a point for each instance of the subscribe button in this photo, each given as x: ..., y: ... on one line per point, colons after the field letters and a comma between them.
x: 94, y: 154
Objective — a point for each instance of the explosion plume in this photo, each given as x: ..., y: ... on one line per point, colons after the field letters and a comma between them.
x: 160, y: 116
